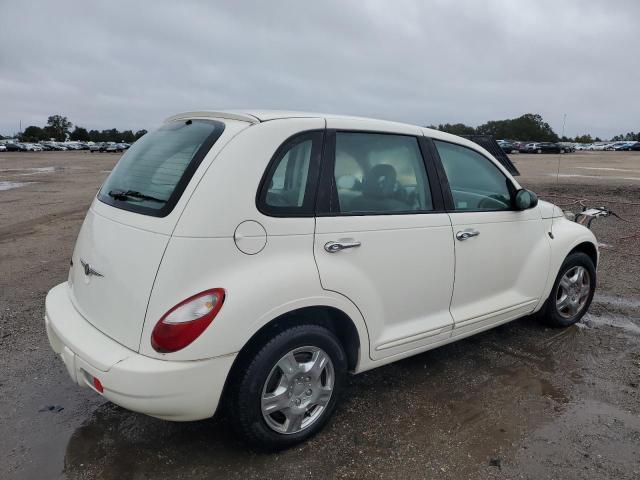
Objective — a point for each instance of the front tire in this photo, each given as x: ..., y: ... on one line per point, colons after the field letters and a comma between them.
x: 572, y: 291
x: 289, y: 389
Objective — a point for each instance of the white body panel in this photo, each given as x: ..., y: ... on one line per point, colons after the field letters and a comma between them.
x: 501, y: 272
x: 409, y: 287
x: 401, y: 277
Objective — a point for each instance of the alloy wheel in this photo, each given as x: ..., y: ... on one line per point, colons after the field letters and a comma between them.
x: 573, y: 291
x: 297, y: 390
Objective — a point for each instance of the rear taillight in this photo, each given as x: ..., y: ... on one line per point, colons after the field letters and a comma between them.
x: 186, y: 321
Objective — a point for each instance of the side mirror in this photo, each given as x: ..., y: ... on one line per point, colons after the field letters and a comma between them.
x: 525, y: 199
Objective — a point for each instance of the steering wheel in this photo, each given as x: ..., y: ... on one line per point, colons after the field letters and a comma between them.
x: 492, y: 201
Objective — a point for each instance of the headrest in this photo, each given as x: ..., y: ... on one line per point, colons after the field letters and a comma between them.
x: 380, y: 181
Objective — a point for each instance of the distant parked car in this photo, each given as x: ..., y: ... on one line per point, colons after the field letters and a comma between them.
x: 623, y: 146
x: 529, y: 148
x: 507, y: 146
x: 112, y: 147
x: 13, y: 147
x: 635, y: 147
x: 95, y: 147
x: 3, y: 148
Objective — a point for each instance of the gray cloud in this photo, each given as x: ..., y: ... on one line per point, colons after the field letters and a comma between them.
x: 131, y: 64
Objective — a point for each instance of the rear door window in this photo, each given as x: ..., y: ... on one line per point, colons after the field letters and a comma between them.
x: 379, y: 173
x: 151, y: 176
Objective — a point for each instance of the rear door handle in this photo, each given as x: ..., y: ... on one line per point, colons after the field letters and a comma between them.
x: 335, y: 247
x: 467, y: 234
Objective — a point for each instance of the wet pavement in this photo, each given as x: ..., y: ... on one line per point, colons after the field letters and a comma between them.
x: 519, y: 401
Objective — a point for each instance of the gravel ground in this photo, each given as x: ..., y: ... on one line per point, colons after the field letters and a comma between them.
x: 519, y: 401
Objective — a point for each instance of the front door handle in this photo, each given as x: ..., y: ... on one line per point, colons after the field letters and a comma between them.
x: 335, y: 247
x: 467, y: 234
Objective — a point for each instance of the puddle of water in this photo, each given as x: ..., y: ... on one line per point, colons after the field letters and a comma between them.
x: 608, y: 169
x: 576, y: 175
x: 11, y: 185
x: 617, y: 321
x: 603, y: 298
x: 28, y: 171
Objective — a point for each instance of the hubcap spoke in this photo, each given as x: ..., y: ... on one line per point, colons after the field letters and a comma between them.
x: 562, y: 302
x: 289, y: 365
x: 294, y: 421
x: 275, y: 402
x: 323, y: 397
x: 584, y: 290
x: 318, y: 362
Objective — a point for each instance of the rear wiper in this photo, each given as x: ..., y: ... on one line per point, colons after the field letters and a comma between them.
x: 126, y: 195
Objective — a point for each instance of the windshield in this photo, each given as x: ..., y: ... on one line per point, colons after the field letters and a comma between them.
x: 150, y: 178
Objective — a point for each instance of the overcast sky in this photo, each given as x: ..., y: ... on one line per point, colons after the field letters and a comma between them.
x: 131, y: 64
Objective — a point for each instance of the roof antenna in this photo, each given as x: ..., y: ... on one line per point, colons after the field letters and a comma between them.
x: 564, y: 122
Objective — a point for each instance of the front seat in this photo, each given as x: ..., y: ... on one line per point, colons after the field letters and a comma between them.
x: 379, y: 191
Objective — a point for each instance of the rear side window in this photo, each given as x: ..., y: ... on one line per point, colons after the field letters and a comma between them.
x: 476, y: 183
x: 150, y: 178
x: 379, y: 174
x: 289, y: 185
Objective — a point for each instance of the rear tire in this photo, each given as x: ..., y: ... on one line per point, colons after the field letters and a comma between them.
x: 572, y: 291
x: 288, y: 388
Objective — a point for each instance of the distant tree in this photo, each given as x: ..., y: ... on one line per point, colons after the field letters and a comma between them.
x: 94, y: 135
x: 583, y: 139
x: 127, y: 136
x: 33, y: 134
x: 529, y: 126
x: 140, y: 133
x: 455, y: 128
x: 110, y: 135
x: 59, y: 126
x: 80, y: 134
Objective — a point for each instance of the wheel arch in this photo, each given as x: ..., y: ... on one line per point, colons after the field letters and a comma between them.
x: 330, y: 317
x: 587, y: 248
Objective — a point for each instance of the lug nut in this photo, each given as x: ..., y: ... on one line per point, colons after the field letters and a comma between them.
x: 297, y: 401
x: 308, y: 393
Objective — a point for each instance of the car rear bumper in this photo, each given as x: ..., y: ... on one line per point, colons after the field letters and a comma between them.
x: 171, y: 390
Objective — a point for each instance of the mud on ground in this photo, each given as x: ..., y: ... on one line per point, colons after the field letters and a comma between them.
x: 519, y: 401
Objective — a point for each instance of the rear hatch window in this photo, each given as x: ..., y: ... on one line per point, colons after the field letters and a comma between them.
x: 151, y: 176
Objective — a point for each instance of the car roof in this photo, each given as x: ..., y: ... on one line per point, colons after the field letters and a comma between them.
x: 259, y: 116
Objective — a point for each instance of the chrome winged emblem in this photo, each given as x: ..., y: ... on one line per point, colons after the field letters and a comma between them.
x: 89, y: 270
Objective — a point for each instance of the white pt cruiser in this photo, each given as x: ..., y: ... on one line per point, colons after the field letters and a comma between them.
x: 250, y: 260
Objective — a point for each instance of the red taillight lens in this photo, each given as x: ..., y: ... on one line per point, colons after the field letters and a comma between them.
x: 98, y: 385
x: 186, y: 321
